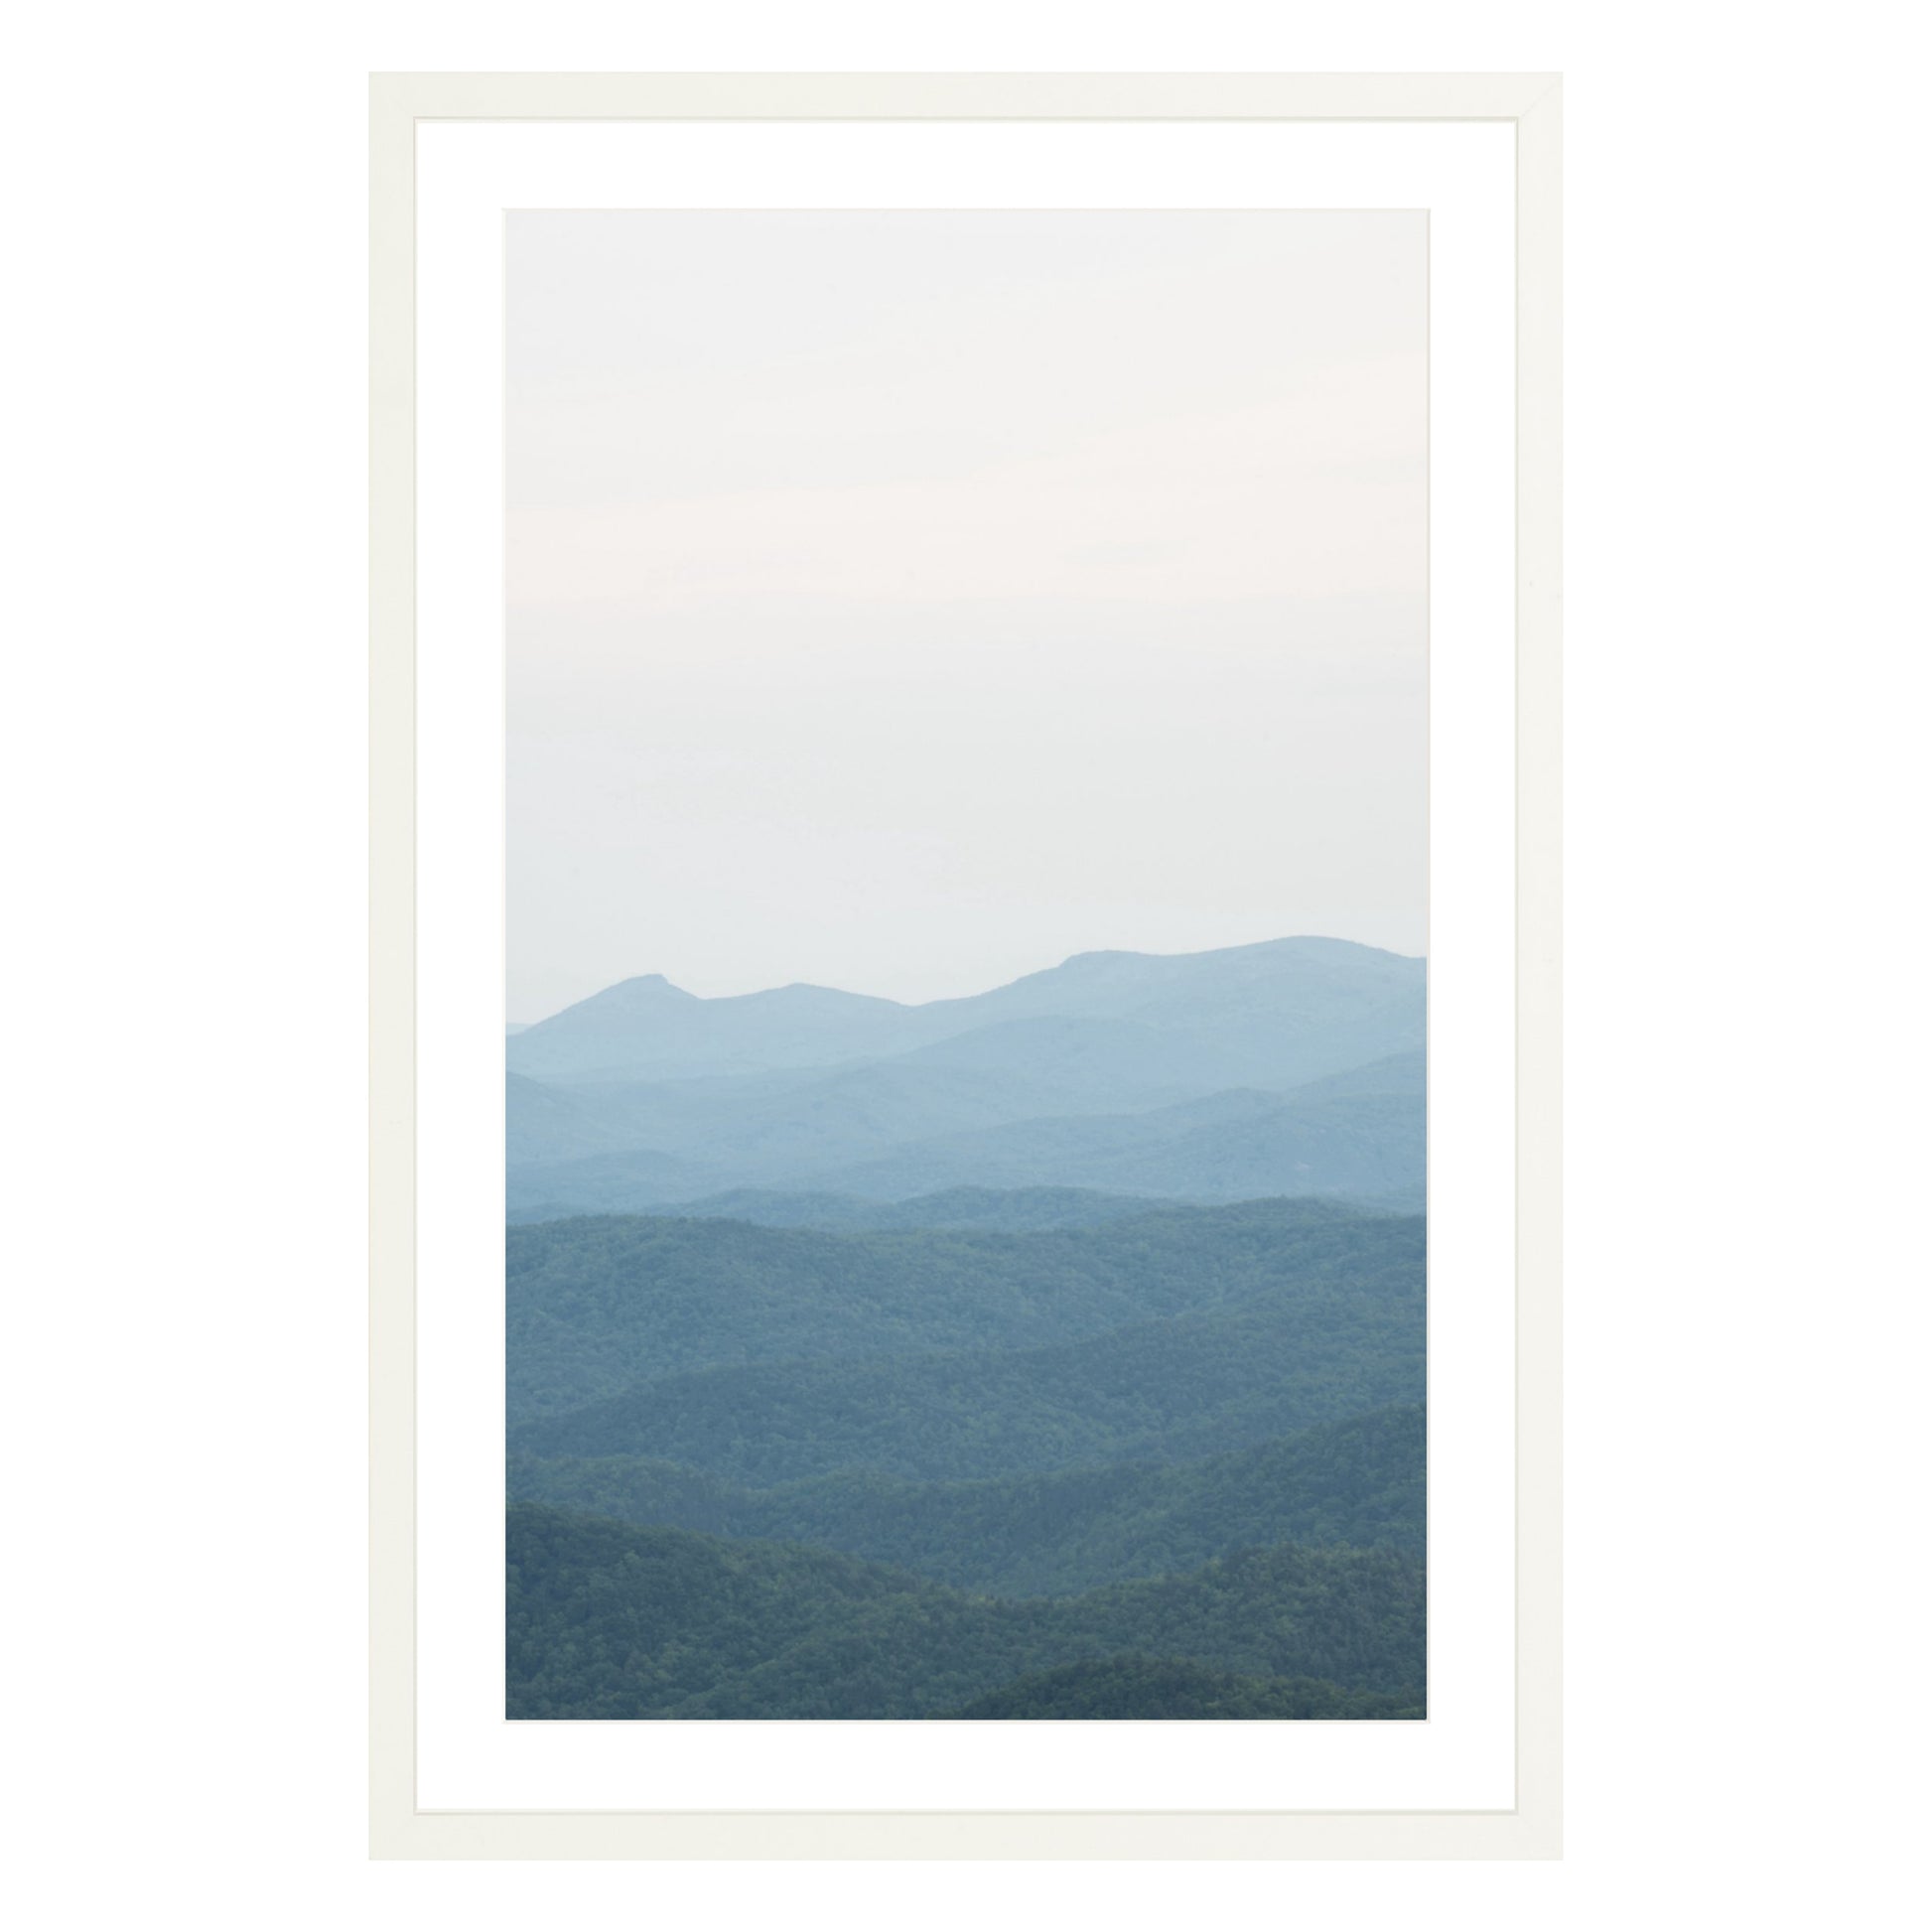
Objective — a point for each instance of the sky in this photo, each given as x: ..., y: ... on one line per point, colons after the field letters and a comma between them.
x: 904, y: 601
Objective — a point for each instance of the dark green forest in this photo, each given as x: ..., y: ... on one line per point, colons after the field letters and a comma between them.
x: 1057, y: 1353
x: 611, y: 1620
x: 1167, y: 1687
x: 1357, y: 1483
x: 723, y: 1294
x: 1161, y: 1465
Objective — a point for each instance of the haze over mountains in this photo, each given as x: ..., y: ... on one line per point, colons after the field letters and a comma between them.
x: 1289, y: 1068
x: 993, y: 1358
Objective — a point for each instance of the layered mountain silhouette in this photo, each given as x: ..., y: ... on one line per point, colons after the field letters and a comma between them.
x: 1291, y: 1067
x: 1054, y: 1354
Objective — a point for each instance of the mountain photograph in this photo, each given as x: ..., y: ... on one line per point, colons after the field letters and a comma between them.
x: 893, y: 1387
x: 965, y: 979
x: 1287, y: 1068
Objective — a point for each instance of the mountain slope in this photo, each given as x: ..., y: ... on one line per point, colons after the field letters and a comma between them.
x: 1170, y: 1687
x: 1236, y: 1145
x: 993, y: 1210
x: 1340, y: 1334
x: 605, y: 1620
x: 646, y: 1029
x: 1270, y: 1014
x: 1369, y: 1144
x: 1357, y: 1482
x: 596, y: 1305
x: 772, y: 1124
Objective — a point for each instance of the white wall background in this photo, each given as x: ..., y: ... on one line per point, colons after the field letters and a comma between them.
x: 184, y: 780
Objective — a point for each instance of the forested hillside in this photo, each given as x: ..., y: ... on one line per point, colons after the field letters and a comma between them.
x: 910, y: 1472
x: 1057, y: 1353
x: 1163, y: 1390
x: 1356, y: 1482
x: 596, y: 1307
x: 1166, y: 1687
x: 609, y: 1620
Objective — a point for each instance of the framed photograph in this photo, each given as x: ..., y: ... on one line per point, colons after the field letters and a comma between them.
x: 965, y: 839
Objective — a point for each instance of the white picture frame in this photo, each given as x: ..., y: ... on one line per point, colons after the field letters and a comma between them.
x: 401, y: 1828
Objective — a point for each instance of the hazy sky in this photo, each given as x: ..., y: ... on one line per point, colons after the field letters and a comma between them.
x: 906, y: 601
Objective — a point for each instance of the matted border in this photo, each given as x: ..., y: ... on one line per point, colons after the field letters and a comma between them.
x: 399, y: 1829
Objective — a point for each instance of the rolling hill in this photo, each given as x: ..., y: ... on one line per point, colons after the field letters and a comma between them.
x: 1339, y: 1334
x: 863, y: 1133
x: 609, y: 1620
x: 992, y: 1210
x: 1236, y: 1145
x: 1167, y: 1687
x: 598, y: 1305
x: 1357, y: 1482
x: 1056, y: 1352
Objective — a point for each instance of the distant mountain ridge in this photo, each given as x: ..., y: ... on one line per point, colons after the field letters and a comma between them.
x: 1290, y: 1067
x: 1331, y: 1001
x: 993, y: 1210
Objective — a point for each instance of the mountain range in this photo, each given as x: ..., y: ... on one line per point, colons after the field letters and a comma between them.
x: 1162, y: 1462
x: 1290, y: 1067
x: 1057, y: 1354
